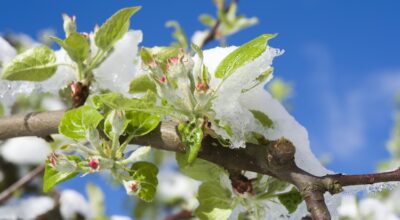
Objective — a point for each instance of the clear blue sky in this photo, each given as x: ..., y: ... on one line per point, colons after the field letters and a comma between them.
x: 342, y: 56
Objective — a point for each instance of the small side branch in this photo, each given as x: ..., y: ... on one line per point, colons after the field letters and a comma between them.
x: 351, y: 180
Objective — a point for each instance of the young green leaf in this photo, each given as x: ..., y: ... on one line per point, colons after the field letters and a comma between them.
x: 291, y: 199
x: 76, y: 122
x: 215, y: 202
x: 76, y: 45
x: 201, y: 170
x: 141, y: 123
x: 114, y: 28
x: 138, y: 155
x: 260, y: 79
x: 192, y: 136
x: 243, y: 55
x: 142, y: 84
x: 207, y: 20
x: 179, y: 34
x: 262, y: 118
x: 52, y: 177
x: 145, y: 174
x: 159, y: 54
x: 36, y: 64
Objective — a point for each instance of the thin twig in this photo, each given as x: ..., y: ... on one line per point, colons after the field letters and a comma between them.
x: 7, y: 193
x: 351, y: 180
x: 213, y: 32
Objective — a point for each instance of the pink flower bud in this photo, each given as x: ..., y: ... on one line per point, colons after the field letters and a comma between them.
x: 163, y: 79
x: 202, y: 86
x: 174, y: 60
x: 53, y: 159
x: 153, y: 64
x: 94, y: 163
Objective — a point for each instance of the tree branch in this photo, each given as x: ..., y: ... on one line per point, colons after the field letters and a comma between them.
x: 6, y: 194
x: 275, y: 158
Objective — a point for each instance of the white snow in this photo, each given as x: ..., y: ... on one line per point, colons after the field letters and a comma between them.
x: 72, y: 203
x: 199, y: 37
x: 27, y: 209
x: 232, y: 106
x: 120, y: 67
x: 174, y: 185
x: 367, y: 208
x: 25, y: 150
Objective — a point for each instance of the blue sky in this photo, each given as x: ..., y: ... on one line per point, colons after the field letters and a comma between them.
x: 342, y: 56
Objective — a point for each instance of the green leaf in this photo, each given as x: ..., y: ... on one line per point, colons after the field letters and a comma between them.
x: 141, y: 123
x: 192, y: 136
x: 201, y: 170
x: 36, y: 64
x: 242, y: 55
x: 142, y: 84
x: 262, y: 118
x: 76, y: 45
x: 138, y: 155
x: 179, y: 34
x: 260, y: 79
x: 52, y: 177
x: 291, y: 199
x: 145, y: 174
x: 96, y: 201
x: 76, y: 122
x: 114, y: 28
x: 207, y: 20
x: 215, y: 202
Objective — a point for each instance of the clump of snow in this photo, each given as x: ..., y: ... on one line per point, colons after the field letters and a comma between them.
x: 174, y: 185
x: 52, y: 104
x: 27, y: 209
x: 120, y: 67
x: 73, y: 203
x: 367, y: 208
x: 199, y: 37
x: 25, y: 150
x: 232, y: 106
x: 120, y: 217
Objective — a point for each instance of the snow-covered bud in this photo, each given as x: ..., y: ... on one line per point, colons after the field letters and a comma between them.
x: 69, y: 24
